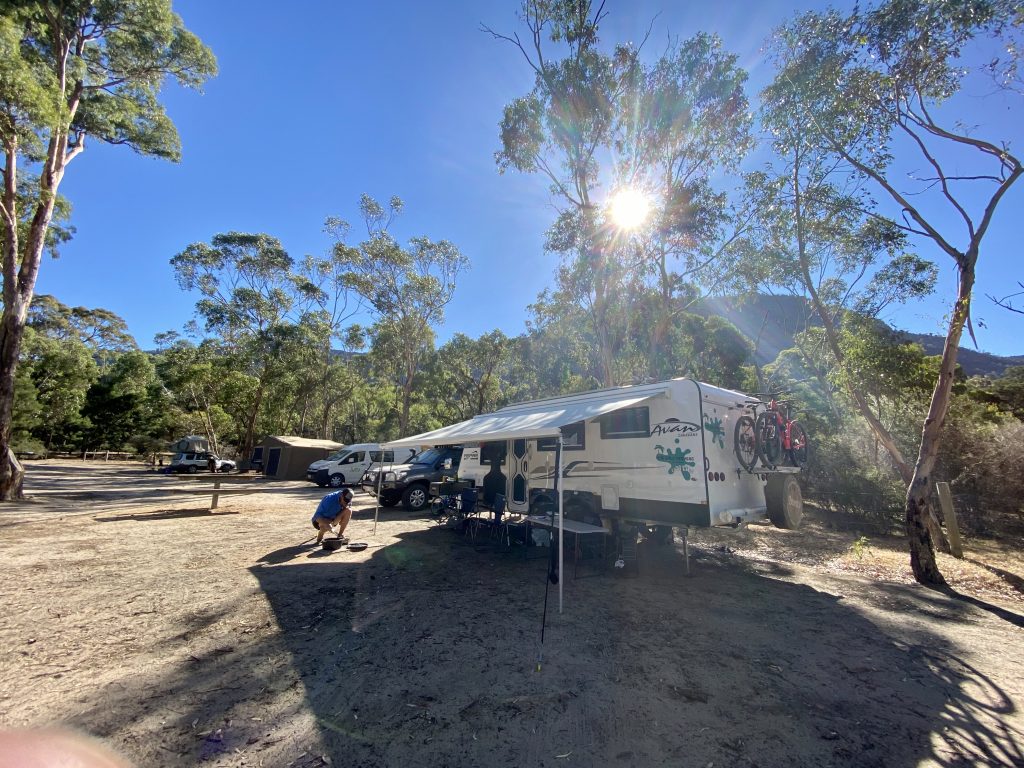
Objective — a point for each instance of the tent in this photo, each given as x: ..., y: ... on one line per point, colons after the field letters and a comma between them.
x: 285, y: 457
x: 539, y: 418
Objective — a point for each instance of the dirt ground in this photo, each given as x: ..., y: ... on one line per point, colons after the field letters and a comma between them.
x: 179, y: 637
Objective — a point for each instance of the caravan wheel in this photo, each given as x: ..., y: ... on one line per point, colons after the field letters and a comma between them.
x: 660, y: 534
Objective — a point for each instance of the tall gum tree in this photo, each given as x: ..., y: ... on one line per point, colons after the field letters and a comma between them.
x: 600, y: 121
x: 252, y: 299
x: 877, y: 90
x: 71, y: 71
x: 406, y: 288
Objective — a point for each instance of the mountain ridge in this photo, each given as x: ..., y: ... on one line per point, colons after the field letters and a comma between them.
x: 771, y: 322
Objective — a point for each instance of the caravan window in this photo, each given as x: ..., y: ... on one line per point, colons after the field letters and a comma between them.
x: 574, y: 438
x: 389, y: 457
x: 626, y: 422
x: 496, y: 450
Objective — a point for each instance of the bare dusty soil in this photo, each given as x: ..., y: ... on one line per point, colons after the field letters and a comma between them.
x: 178, y: 637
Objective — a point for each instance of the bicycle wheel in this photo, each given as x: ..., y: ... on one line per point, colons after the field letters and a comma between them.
x: 768, y: 439
x: 798, y: 445
x: 746, y: 443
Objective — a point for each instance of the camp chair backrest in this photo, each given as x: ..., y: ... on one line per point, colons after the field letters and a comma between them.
x: 468, y: 500
x: 499, y: 505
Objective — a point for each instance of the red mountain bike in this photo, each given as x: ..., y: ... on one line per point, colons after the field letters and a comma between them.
x: 773, y: 435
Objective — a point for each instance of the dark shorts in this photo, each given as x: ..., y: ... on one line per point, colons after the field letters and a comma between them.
x: 315, y: 526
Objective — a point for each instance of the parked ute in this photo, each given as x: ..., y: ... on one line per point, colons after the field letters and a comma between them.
x: 410, y: 483
x: 194, y: 461
x: 348, y: 465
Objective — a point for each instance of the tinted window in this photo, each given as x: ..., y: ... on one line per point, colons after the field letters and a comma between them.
x: 626, y: 422
x: 429, y: 456
x: 574, y: 438
x: 495, y: 451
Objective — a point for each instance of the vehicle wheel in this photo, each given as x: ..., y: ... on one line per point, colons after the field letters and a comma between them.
x: 415, y: 497
x: 785, y: 501
x: 661, y: 534
x: 336, y: 481
x: 798, y: 446
x: 192, y: 469
x: 746, y: 443
x: 767, y: 439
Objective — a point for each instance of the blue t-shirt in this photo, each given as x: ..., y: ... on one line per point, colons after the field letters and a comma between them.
x: 330, y: 505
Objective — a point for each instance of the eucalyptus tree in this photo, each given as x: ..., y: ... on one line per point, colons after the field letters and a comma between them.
x: 333, y: 305
x: 252, y: 299
x: 71, y: 71
x: 814, y: 234
x: 878, y: 89
x: 474, y: 374
x: 598, y: 123
x: 196, y: 375
x: 128, y: 400
x: 686, y: 119
x: 102, y: 331
x: 406, y: 288
x: 60, y: 371
x: 562, y: 129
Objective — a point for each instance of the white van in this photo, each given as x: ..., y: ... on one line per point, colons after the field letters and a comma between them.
x: 347, y: 466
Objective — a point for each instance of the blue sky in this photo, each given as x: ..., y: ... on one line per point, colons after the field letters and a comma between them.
x: 318, y: 102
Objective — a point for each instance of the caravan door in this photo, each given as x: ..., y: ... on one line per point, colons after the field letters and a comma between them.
x: 517, y: 499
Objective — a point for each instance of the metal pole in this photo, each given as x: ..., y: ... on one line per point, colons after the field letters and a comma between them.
x: 561, y: 525
x: 380, y: 478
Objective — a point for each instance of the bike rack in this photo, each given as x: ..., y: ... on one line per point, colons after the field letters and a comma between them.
x: 766, y: 471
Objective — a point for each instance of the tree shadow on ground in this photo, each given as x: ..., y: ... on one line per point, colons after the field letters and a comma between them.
x: 427, y: 653
x: 1012, y: 579
x: 166, y: 514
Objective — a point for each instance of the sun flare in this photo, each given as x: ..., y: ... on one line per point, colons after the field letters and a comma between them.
x: 629, y: 208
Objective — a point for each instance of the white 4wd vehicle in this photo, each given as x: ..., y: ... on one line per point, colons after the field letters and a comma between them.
x: 193, y: 462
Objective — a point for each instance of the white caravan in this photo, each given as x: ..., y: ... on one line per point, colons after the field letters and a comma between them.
x: 657, y: 455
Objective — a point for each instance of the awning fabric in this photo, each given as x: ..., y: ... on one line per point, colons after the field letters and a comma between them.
x: 532, y: 420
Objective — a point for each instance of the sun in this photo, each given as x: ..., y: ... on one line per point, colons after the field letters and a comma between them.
x: 629, y: 208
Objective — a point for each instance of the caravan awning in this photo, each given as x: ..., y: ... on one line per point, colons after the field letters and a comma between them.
x: 532, y: 420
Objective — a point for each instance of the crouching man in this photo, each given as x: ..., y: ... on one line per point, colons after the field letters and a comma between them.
x: 334, y: 509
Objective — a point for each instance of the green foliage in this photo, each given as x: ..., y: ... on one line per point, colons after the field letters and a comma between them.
x: 597, y: 115
x: 96, y: 69
x: 407, y: 288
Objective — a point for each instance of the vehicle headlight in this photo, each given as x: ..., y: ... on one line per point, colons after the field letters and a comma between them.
x: 390, y: 477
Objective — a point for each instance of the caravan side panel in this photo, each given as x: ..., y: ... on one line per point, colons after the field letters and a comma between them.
x: 643, y: 463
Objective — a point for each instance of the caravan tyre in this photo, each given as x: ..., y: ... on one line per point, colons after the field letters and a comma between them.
x: 785, y: 501
x: 660, y: 534
x: 336, y: 480
x: 192, y: 469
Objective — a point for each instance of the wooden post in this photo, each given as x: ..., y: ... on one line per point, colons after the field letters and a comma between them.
x: 216, y: 496
x: 949, y: 515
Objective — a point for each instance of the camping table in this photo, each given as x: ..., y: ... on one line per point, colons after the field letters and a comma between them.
x: 575, y: 527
